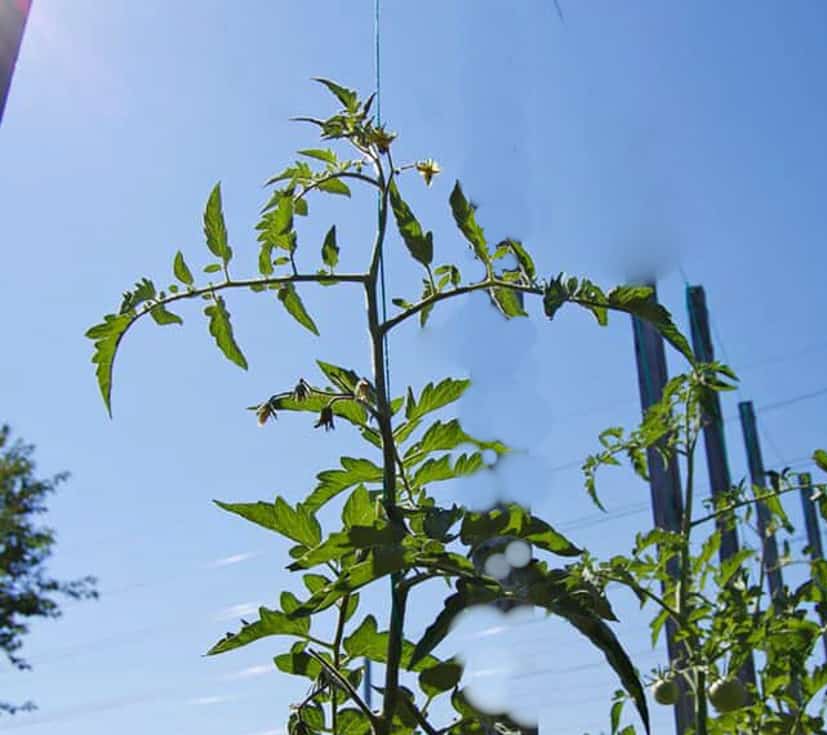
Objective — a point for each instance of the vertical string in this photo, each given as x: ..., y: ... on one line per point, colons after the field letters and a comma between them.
x: 377, y: 67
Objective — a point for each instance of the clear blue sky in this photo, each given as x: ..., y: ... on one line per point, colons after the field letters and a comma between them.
x: 633, y: 136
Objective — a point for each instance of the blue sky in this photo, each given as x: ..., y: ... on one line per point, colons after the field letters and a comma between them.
x: 633, y: 137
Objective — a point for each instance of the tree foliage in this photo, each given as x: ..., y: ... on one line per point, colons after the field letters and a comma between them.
x: 26, y: 590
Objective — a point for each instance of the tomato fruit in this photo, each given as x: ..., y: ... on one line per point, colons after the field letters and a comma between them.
x: 727, y: 695
x: 665, y: 691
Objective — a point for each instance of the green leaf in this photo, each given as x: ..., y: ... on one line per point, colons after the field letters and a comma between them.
x: 214, y: 228
x: 221, y: 329
x: 265, y: 259
x: 335, y: 546
x: 334, y: 185
x: 468, y: 594
x: 463, y: 213
x: 508, y: 302
x: 434, y: 397
x: 107, y: 336
x: 345, y: 380
x: 299, y: 525
x: 445, y: 436
x: 298, y: 663
x: 295, y: 307
x: 313, y: 716
x: 820, y: 458
x: 270, y: 622
x: 438, y: 522
x: 513, y: 520
x: 381, y: 561
x: 212, y: 268
x: 554, y: 296
x: 314, y: 582
x: 346, y: 96
x: 437, y: 470
x: 163, y: 317
x: 638, y: 300
x: 366, y: 641
x: 333, y: 482
x: 601, y: 635
x: 440, y: 678
x: 359, y: 509
x: 420, y: 246
x: 288, y: 601
x: 320, y: 154
x: 348, y: 410
x: 275, y: 226
x: 180, y: 269
x: 351, y: 721
x: 524, y: 260
x: 330, y: 250
x: 144, y: 291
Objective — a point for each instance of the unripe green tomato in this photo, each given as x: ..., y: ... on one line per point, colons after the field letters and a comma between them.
x: 727, y: 695
x: 665, y: 691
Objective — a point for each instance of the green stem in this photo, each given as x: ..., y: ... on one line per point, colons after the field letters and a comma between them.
x: 389, y: 454
x: 337, y: 645
x: 255, y: 282
x: 340, y: 175
x: 700, y: 704
x: 740, y: 504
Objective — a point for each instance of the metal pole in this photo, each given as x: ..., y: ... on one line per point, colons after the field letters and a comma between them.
x: 758, y: 477
x: 720, y: 480
x: 13, y: 14
x: 813, y: 531
x: 664, y: 482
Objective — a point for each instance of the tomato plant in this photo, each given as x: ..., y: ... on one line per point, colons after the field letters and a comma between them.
x: 392, y: 528
x: 720, y: 611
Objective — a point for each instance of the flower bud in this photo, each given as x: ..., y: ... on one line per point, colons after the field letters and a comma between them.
x: 301, y: 391
x: 264, y: 412
x: 326, y: 418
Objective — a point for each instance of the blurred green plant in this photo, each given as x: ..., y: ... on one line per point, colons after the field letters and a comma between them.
x: 390, y: 525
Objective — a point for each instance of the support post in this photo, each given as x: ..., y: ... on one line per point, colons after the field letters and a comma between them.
x: 720, y: 480
x: 13, y: 15
x: 758, y: 478
x: 813, y: 531
x: 367, y: 686
x: 664, y: 482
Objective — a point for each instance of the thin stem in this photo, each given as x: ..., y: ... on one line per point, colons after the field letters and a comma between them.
x: 337, y: 645
x: 340, y: 175
x: 420, y: 718
x: 741, y: 503
x: 383, y: 417
x: 257, y: 282
x: 458, y: 291
x: 341, y: 681
x: 646, y: 593
x: 700, y: 703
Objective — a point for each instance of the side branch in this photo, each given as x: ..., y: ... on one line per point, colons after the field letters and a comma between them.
x: 757, y: 499
x: 254, y: 282
x: 385, y: 327
x: 341, y: 175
